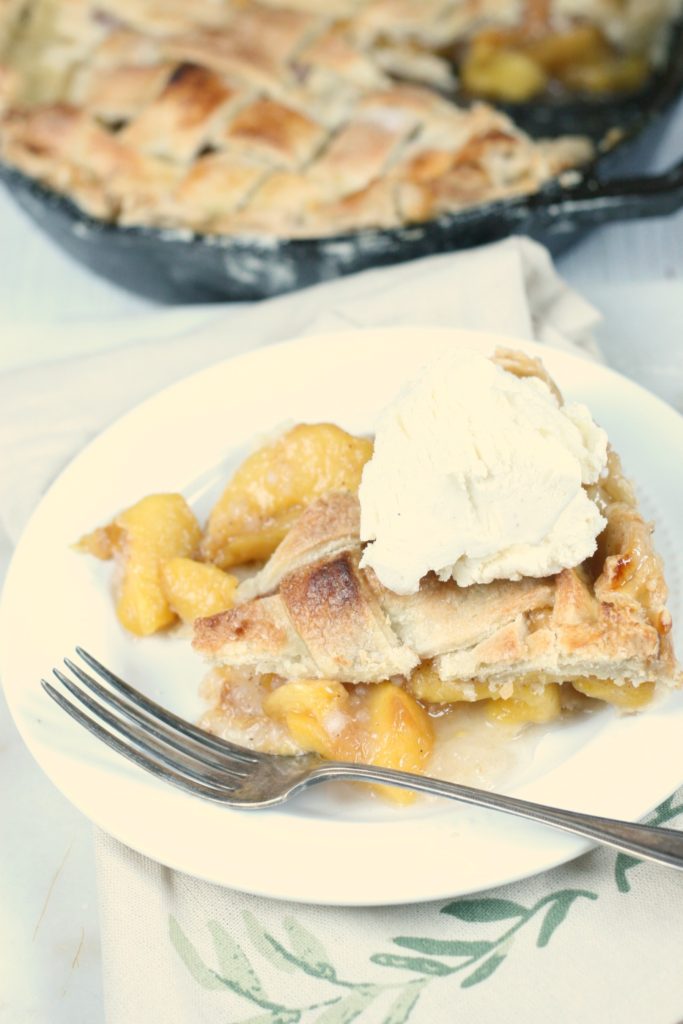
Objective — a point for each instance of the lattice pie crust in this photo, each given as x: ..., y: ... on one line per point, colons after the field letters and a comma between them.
x: 289, y: 119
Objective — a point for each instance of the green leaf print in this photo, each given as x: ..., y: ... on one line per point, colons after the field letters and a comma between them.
x: 316, y: 970
x: 303, y: 953
x: 484, y: 971
x: 404, y: 1004
x: 666, y: 812
x: 276, y: 1017
x: 309, y: 949
x: 557, y: 911
x: 485, y: 908
x: 234, y: 966
x: 444, y: 947
x: 411, y: 963
x: 262, y: 943
x: 624, y: 863
x: 202, y: 974
x: 482, y: 957
x: 350, y: 1007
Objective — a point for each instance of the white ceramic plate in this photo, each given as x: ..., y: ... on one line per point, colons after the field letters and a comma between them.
x: 323, y: 847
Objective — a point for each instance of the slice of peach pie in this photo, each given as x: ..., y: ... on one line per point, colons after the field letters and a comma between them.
x: 310, y: 651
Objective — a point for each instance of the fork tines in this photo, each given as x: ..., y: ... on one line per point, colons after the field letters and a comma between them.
x: 148, y: 734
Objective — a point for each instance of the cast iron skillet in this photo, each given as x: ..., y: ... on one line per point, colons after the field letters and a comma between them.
x: 179, y: 266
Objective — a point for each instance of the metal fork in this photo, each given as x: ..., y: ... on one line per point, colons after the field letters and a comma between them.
x: 209, y: 767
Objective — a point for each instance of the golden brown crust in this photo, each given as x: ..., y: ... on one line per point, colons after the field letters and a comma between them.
x: 330, y: 605
x: 120, y: 93
x: 632, y: 572
x: 255, y: 623
x: 274, y: 131
x: 323, y: 623
x: 180, y: 121
x: 574, y: 602
x: 373, y: 206
x: 45, y: 135
x: 357, y: 155
x: 260, y: 626
x: 612, y: 643
x: 253, y: 47
x: 214, y: 187
x: 334, y: 52
x: 444, y: 617
x: 282, y: 85
x: 324, y: 529
x: 523, y: 365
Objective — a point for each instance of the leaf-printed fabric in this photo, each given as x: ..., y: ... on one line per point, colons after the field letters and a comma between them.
x: 597, y: 940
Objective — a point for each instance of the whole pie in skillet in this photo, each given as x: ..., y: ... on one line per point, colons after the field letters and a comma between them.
x: 285, y: 119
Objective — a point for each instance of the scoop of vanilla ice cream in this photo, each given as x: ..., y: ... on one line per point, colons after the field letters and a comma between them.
x: 477, y: 475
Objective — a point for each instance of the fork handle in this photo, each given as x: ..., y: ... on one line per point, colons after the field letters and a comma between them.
x: 663, y: 845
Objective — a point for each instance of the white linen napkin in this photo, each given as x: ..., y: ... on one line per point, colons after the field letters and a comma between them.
x: 178, y: 950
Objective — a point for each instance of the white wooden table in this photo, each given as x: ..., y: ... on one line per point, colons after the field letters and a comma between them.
x: 49, y: 970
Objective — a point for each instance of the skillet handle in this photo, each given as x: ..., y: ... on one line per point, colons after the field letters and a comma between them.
x: 592, y: 201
